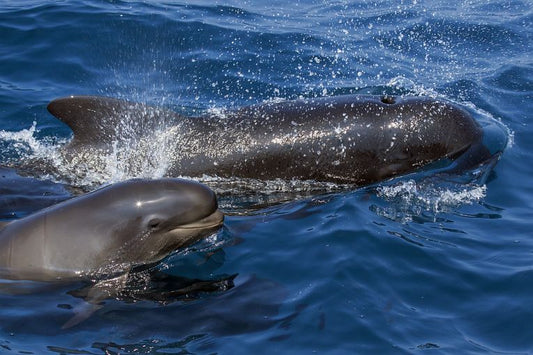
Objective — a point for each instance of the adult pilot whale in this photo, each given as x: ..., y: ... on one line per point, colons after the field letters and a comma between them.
x: 105, y: 234
x: 353, y: 139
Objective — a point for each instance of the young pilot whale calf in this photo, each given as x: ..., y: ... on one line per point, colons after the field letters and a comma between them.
x: 351, y: 139
x: 104, y: 234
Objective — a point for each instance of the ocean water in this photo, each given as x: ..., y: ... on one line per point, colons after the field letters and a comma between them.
x: 405, y: 266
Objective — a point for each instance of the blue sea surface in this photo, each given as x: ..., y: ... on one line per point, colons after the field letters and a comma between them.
x: 398, y: 267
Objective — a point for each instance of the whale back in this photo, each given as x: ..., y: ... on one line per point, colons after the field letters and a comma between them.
x: 356, y: 139
x: 346, y: 139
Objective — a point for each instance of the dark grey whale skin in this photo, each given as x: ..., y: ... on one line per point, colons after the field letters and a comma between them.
x: 354, y: 139
x: 103, y: 234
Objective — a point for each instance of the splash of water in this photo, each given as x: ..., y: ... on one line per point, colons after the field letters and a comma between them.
x: 128, y: 157
x: 408, y: 199
x: 24, y: 146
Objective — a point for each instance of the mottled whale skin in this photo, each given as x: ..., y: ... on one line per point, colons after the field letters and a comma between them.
x: 352, y: 139
x: 104, y: 234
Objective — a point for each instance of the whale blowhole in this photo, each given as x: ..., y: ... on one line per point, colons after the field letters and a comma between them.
x: 389, y: 100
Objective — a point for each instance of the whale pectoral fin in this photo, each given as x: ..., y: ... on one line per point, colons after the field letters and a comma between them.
x: 3, y: 224
x: 94, y: 298
x: 109, y: 288
x: 81, y: 313
x: 95, y: 120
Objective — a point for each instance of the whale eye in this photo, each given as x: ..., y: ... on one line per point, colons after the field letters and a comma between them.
x: 154, y: 223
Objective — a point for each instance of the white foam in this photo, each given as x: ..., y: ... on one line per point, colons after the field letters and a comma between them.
x: 23, y: 140
x: 25, y: 135
x: 25, y: 145
x: 410, y: 198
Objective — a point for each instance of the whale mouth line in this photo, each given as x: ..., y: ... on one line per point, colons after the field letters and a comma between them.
x: 213, y: 220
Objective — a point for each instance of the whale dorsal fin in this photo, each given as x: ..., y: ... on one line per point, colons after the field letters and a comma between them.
x: 97, y: 120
